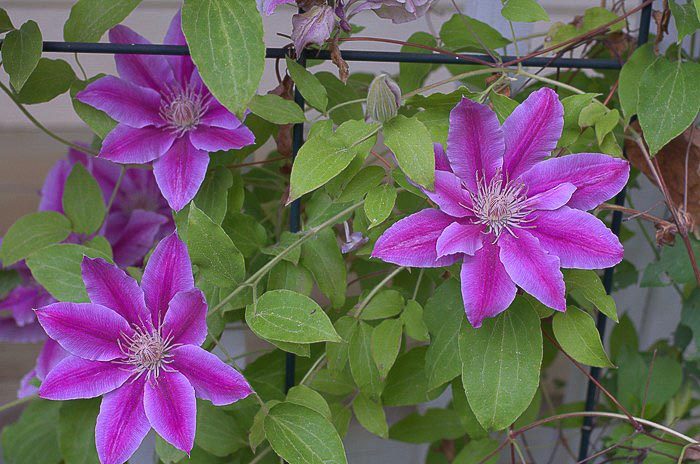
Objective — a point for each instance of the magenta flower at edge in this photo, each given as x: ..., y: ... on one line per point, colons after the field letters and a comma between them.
x: 139, y: 346
x: 166, y: 115
x: 510, y: 215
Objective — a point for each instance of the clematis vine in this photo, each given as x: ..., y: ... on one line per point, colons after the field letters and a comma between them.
x: 166, y: 116
x: 509, y: 214
x: 139, y: 346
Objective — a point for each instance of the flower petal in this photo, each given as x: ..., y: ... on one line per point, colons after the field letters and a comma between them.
x: 553, y: 198
x: 123, y: 101
x: 219, y: 116
x: 145, y: 70
x: 579, y: 239
x: 12, y: 333
x: 474, y: 142
x: 50, y: 355
x: 532, y: 268
x: 487, y: 290
x: 211, y: 378
x: 186, y: 319
x: 180, y: 172
x: 182, y: 65
x: 129, y: 145
x: 441, y: 161
x: 449, y: 195
x: 109, y: 286
x: 459, y: 238
x: 75, y: 378
x: 597, y: 177
x: 532, y: 131
x: 122, y: 423
x: 171, y: 408
x: 87, y: 330
x: 169, y: 271
x: 52, y: 190
x: 132, y: 235
x: 210, y: 138
x: 412, y: 241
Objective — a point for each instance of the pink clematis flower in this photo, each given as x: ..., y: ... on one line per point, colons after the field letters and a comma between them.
x: 139, y: 346
x: 166, y: 115
x: 17, y: 320
x: 511, y: 216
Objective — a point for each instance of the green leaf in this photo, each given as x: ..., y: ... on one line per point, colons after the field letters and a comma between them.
x: 412, y: 317
x: 370, y: 415
x: 444, y: 315
x: 287, y: 276
x: 362, y: 366
x: 246, y: 232
x: 630, y: 77
x: 21, y: 51
x: 34, y: 437
x: 308, y: 85
x: 286, y: 241
x: 464, y: 33
x: 276, y: 109
x: 585, y: 287
x: 501, y: 364
x: 324, y: 156
x: 303, y: 436
x: 305, y: 396
x: 412, y: 75
x: 606, y: 124
x: 597, y: 16
x: 407, y: 383
x: 410, y: 141
x: 337, y: 353
x: 218, y: 433
x: 434, y: 425
x: 386, y: 343
x: 386, y: 303
x: 466, y: 415
x: 83, y: 202
x: 57, y: 269
x: 361, y: 183
x: 476, y: 451
x: 50, y: 79
x: 338, y: 93
x: 9, y: 279
x: 686, y: 18
x: 524, y: 11
x: 337, y: 383
x: 5, y: 22
x: 226, y: 42
x: 624, y: 335
x: 573, y: 106
x: 671, y: 100
x: 167, y: 452
x: 321, y: 255
x: 100, y: 123
x: 287, y: 316
x: 31, y: 233
x: 379, y: 203
x: 76, y: 431
x: 212, y: 251
x: 90, y: 19
x: 576, y: 332
x: 212, y: 197
x: 502, y: 105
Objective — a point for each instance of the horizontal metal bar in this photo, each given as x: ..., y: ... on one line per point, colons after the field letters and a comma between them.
x: 349, y: 55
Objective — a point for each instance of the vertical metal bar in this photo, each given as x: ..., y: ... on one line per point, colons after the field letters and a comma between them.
x: 295, y: 216
x: 592, y: 390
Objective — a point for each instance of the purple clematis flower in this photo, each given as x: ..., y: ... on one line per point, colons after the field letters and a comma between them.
x: 267, y: 7
x: 166, y: 115
x: 139, y: 215
x: 17, y: 322
x: 139, y: 346
x: 313, y: 27
x: 50, y: 355
x: 510, y: 215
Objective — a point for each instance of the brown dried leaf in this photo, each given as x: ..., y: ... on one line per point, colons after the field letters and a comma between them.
x: 283, y: 138
x: 337, y: 59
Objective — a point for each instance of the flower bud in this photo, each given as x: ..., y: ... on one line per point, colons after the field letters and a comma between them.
x: 400, y: 11
x: 313, y: 27
x: 383, y: 99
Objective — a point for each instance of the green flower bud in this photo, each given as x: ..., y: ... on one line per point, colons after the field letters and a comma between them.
x: 383, y: 99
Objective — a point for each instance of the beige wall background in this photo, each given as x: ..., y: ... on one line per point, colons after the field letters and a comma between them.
x: 27, y: 154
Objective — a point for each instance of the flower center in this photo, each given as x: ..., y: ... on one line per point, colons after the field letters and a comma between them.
x: 147, y: 352
x: 500, y: 205
x: 183, y: 108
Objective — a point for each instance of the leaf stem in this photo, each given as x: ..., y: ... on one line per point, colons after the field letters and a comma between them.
x: 375, y: 290
x: 17, y: 402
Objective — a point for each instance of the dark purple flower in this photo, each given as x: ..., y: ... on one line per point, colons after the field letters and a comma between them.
x: 510, y: 215
x: 17, y: 319
x: 139, y: 346
x: 139, y: 215
x: 166, y: 115
x: 50, y: 355
x: 313, y: 27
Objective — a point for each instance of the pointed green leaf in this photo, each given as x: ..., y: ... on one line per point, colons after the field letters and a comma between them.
x: 524, y: 11
x: 34, y: 437
x: 49, y: 79
x: 21, y: 51
x: 276, y: 109
x: 370, y: 414
x: 31, y: 233
x: 586, y: 288
x: 76, y: 436
x: 90, y: 19
x: 577, y: 334
x: 83, y: 201
x: 379, y: 203
x: 410, y: 141
x: 362, y: 366
x: 308, y: 85
x: 321, y: 255
x: 386, y: 343
x: 444, y: 315
x: 434, y: 425
x: 305, y: 396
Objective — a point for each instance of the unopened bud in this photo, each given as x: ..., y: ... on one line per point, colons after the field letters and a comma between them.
x: 383, y: 99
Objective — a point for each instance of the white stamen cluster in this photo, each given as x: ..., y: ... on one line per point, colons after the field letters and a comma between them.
x: 500, y: 205
x: 147, y: 352
x: 183, y: 108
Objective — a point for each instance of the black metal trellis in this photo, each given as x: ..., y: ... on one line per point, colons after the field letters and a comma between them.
x: 398, y: 57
